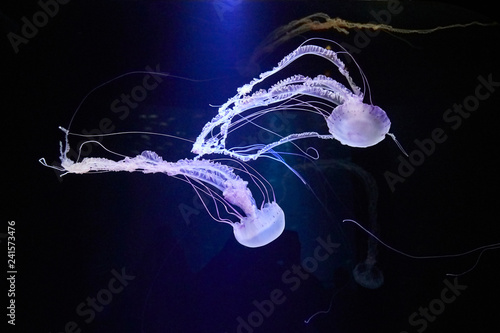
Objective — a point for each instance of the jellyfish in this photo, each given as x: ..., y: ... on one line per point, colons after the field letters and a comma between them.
x: 322, y: 21
x: 350, y: 121
x: 366, y: 273
x: 257, y: 226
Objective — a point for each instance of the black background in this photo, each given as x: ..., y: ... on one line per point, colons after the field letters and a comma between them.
x: 71, y: 234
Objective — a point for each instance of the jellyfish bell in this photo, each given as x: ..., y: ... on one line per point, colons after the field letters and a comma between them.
x: 358, y: 124
x: 261, y: 228
x: 368, y: 275
x: 257, y: 226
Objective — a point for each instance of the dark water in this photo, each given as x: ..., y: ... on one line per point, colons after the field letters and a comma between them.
x: 139, y: 253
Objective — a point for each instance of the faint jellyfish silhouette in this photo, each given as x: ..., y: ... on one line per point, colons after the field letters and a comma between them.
x: 366, y: 273
x: 257, y: 226
x: 351, y: 121
x: 322, y: 21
